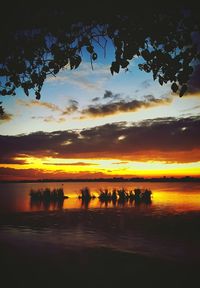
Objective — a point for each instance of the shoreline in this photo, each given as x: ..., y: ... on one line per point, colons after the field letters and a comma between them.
x: 186, y: 179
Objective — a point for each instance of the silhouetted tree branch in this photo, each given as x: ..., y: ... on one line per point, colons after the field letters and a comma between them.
x: 48, y: 39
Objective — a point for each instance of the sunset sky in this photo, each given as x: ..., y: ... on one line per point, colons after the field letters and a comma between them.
x: 90, y: 124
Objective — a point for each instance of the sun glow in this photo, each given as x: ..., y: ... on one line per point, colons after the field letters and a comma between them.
x: 107, y: 167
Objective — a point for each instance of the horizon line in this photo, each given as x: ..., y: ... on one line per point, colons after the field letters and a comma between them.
x: 112, y: 179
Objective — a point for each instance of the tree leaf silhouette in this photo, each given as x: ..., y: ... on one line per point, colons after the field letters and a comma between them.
x: 174, y: 87
x: 45, y: 39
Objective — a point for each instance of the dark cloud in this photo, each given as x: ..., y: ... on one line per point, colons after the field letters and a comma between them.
x: 101, y: 110
x: 151, y: 135
x: 95, y: 99
x: 35, y: 174
x: 107, y: 94
x: 5, y: 117
x: 110, y: 94
x: 167, y: 139
x: 35, y: 144
x: 21, y: 174
x: 71, y: 108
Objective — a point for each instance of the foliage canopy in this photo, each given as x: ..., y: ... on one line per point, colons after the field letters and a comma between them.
x: 42, y: 40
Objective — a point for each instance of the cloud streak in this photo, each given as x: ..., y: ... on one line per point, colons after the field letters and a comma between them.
x: 49, y: 119
x: 122, y: 106
x: 71, y: 164
x: 71, y: 108
x: 37, y: 103
x: 84, y: 77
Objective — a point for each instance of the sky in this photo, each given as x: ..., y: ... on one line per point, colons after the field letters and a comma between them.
x: 91, y: 124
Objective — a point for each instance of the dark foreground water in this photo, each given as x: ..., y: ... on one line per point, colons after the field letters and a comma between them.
x: 100, y: 244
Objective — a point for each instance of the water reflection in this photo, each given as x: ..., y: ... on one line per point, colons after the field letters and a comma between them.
x: 49, y: 205
x: 111, y: 203
x: 178, y: 197
x: 46, y: 205
x: 85, y: 203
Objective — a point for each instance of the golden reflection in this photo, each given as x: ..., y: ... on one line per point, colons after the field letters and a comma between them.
x: 173, y: 200
x: 75, y: 203
x: 165, y: 196
x: 171, y: 196
x: 177, y: 200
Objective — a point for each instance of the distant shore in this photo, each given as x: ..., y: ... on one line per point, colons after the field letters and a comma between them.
x: 114, y: 179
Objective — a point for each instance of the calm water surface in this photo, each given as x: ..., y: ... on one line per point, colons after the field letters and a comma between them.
x: 164, y: 228
x: 167, y: 197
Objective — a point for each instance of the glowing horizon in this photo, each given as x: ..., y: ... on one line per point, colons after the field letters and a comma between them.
x: 100, y: 168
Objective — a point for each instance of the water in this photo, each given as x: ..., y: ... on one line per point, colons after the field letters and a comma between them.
x: 167, y: 197
x: 168, y: 228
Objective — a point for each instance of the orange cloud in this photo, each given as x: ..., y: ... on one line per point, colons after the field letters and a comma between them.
x: 5, y: 117
x: 13, y: 174
x: 38, y: 103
